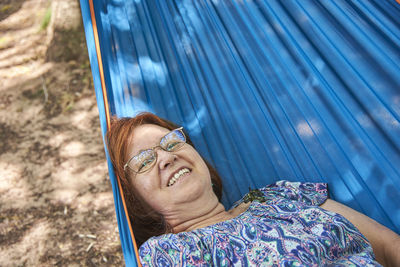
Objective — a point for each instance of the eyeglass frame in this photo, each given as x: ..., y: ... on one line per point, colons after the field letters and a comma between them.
x: 126, y: 165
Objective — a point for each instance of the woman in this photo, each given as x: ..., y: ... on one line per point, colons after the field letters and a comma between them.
x: 172, y: 196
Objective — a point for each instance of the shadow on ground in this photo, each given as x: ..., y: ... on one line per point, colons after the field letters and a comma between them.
x: 8, y: 7
x: 56, y: 204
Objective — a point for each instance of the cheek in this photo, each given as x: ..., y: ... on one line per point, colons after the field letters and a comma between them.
x: 146, y: 192
x: 142, y: 185
x: 200, y: 163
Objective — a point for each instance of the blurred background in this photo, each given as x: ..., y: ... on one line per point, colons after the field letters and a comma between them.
x: 56, y: 204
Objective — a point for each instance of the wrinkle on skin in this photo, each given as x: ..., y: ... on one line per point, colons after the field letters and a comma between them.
x: 188, y: 204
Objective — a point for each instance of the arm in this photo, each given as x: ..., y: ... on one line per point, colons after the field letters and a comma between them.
x: 384, y: 242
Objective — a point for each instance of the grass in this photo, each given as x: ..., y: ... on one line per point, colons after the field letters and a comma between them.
x: 46, y: 19
x: 6, y: 8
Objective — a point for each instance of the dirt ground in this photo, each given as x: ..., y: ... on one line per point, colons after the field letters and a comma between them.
x: 56, y: 204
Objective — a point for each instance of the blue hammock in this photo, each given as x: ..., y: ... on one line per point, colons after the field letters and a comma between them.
x: 268, y: 90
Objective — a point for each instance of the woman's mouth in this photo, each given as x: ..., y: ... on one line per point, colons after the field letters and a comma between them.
x: 177, y: 176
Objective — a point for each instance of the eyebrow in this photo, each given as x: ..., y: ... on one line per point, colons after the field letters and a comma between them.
x: 143, y: 150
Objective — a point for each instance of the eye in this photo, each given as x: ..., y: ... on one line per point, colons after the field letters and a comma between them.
x: 146, y: 163
x: 172, y: 145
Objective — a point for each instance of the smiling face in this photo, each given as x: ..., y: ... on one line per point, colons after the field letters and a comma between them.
x: 177, y: 181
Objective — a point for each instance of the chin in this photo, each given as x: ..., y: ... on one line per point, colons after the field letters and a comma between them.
x: 195, y: 190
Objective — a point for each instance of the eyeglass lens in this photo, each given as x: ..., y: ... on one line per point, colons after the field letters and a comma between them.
x: 145, y: 159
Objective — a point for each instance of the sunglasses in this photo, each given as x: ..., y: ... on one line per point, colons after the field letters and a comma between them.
x: 146, y: 159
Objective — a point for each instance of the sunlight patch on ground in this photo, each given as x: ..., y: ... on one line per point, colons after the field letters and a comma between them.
x: 71, y: 178
x: 84, y: 117
x: 57, y: 140
x: 30, y: 248
x: 13, y: 75
x: 72, y: 149
x: 90, y: 202
x: 103, y: 200
x: 67, y: 182
x: 65, y: 196
x: 91, y: 173
x: 84, y: 203
x: 81, y: 119
x: 13, y: 189
x: 28, y: 112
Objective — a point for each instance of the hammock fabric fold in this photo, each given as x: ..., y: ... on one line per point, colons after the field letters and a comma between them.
x: 268, y: 90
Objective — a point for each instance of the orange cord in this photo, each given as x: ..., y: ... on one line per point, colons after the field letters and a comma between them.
x: 107, y: 111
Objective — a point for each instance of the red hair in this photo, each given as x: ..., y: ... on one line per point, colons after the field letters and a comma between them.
x: 145, y: 221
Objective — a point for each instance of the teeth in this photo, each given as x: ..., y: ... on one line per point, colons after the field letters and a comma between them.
x: 177, y: 175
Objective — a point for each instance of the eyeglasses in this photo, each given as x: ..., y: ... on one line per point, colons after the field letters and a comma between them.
x: 145, y: 159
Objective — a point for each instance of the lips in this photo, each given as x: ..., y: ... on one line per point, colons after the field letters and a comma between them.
x: 175, y: 176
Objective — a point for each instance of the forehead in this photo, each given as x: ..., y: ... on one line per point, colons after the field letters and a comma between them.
x: 145, y: 136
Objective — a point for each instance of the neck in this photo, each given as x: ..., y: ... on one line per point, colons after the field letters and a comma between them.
x: 216, y: 214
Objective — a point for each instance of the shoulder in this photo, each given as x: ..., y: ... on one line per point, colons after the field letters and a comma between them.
x: 310, y: 193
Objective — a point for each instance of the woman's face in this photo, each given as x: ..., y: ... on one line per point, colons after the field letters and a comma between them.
x: 166, y: 196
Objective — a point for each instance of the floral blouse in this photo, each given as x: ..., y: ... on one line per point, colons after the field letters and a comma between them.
x: 289, y: 229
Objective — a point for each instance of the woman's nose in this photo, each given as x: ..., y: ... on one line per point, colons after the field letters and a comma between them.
x: 165, y: 158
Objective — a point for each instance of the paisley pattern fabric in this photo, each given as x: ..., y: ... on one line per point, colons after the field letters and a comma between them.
x: 289, y: 229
